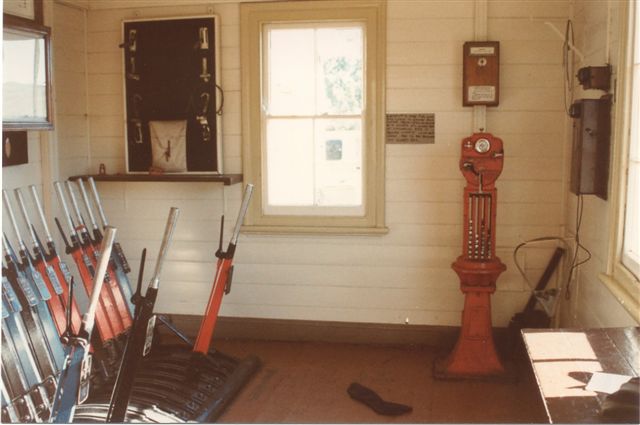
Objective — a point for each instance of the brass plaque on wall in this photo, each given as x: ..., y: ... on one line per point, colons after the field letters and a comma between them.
x: 410, y: 128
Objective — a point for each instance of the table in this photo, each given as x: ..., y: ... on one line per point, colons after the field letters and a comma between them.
x: 563, y: 361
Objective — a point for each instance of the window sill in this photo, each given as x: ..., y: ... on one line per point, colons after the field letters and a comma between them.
x: 626, y: 292
x: 309, y: 230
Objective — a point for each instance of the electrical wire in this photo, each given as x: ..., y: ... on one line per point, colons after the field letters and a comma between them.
x: 536, y: 240
x: 574, y: 262
x: 568, y: 65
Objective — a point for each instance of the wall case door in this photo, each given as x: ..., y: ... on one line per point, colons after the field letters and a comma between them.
x: 173, y: 98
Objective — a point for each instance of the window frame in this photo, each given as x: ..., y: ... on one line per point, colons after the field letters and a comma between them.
x: 372, y: 13
x: 623, y: 284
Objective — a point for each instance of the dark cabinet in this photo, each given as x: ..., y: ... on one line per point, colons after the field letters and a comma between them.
x: 591, y: 145
x: 173, y: 96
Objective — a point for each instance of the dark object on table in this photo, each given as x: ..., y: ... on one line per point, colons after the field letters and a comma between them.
x: 623, y: 405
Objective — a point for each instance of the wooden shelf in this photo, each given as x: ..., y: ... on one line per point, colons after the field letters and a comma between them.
x: 226, y: 179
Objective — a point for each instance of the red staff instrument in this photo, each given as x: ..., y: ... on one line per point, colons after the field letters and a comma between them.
x: 478, y: 267
x: 222, y: 281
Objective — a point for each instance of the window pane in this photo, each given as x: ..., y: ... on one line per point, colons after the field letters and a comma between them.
x: 631, y: 256
x: 314, y: 163
x: 340, y: 70
x: 289, y: 152
x: 631, y: 244
x: 291, y: 71
x: 338, y: 164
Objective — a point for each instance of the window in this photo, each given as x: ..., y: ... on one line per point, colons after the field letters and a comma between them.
x: 623, y: 269
x: 631, y: 244
x: 313, y: 143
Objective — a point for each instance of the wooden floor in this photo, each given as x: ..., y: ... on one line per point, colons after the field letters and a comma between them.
x: 305, y: 382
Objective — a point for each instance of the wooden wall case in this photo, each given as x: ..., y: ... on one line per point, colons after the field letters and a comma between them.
x: 14, y: 148
x: 171, y: 73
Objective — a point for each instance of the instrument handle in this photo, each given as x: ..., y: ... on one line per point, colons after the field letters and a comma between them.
x: 12, y: 218
x: 74, y: 202
x: 36, y: 201
x: 96, y: 197
x: 164, y: 247
x: 88, y: 319
x: 87, y: 204
x: 25, y: 215
x: 65, y: 208
x: 248, y: 191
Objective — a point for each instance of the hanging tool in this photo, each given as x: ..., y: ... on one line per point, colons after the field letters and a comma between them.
x: 53, y: 259
x: 139, y: 341
x: 202, y: 117
x: 222, y: 280
x: 203, y: 33
x: 86, y: 271
x: 205, y: 75
x: 73, y: 383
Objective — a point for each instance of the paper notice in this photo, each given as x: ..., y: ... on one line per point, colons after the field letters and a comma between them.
x: 607, y: 383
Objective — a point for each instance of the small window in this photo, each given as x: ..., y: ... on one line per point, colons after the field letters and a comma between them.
x: 313, y: 114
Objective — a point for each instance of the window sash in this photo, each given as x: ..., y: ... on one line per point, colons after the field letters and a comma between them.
x: 631, y: 237
x: 268, y: 115
x: 253, y: 18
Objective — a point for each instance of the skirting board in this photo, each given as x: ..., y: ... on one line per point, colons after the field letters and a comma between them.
x: 321, y: 331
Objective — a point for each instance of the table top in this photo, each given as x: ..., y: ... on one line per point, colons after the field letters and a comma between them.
x: 563, y: 361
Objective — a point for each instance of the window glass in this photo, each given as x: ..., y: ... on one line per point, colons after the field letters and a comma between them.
x: 631, y: 245
x: 313, y: 118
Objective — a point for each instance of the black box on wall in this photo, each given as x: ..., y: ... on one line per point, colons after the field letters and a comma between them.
x: 173, y: 98
x: 591, y: 145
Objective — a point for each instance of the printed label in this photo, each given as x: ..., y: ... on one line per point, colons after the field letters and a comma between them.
x: 11, y: 295
x: 481, y: 94
x: 37, y: 279
x: 65, y: 272
x: 482, y: 51
x: 53, y: 278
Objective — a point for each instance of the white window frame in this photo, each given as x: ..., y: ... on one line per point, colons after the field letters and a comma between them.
x: 620, y: 280
x: 253, y: 17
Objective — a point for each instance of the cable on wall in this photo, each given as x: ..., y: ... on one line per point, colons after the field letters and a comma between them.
x: 574, y: 262
x: 568, y: 65
x: 546, y: 297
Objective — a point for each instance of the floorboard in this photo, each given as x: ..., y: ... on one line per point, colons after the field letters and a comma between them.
x: 306, y: 382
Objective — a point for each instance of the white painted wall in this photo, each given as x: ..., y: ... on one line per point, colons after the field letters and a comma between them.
x: 597, y: 28
x: 389, y: 279
x: 384, y: 279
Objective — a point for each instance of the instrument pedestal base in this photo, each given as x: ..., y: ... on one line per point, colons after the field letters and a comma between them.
x: 474, y: 355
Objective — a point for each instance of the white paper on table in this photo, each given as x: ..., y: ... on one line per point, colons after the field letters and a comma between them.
x: 607, y: 383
